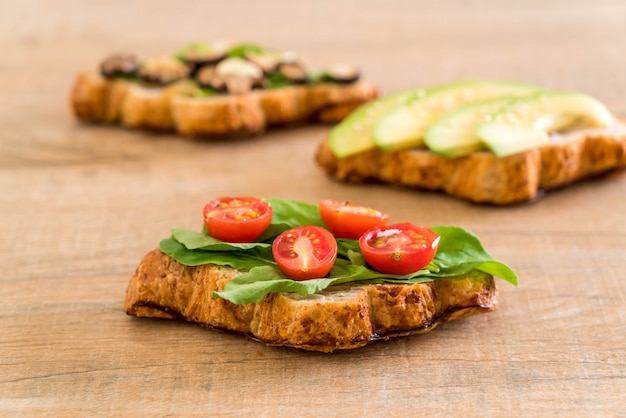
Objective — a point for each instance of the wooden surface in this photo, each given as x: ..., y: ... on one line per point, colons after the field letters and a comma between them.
x: 80, y: 206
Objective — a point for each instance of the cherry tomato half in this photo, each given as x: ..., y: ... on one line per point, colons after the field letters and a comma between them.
x: 399, y: 249
x: 237, y: 219
x: 305, y: 252
x: 349, y: 220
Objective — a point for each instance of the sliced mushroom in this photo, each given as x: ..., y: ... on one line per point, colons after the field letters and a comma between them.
x: 119, y: 65
x: 295, y: 72
x: 239, y: 67
x: 197, y: 59
x: 207, y: 77
x: 238, y: 84
x: 267, y: 63
x: 343, y: 73
x: 240, y: 75
x: 163, y: 71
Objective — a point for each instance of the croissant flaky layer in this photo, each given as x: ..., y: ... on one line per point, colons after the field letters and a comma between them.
x: 340, y: 317
x: 482, y: 177
x: 174, y: 108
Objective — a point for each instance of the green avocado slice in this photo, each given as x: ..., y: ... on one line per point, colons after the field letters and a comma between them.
x: 404, y: 126
x: 454, y: 134
x: 527, y: 123
x: 355, y: 133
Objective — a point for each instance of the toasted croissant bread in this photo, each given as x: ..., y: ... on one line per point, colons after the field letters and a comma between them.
x: 340, y: 317
x: 198, y: 100
x: 482, y: 177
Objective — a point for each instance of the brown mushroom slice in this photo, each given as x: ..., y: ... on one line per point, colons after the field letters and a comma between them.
x: 120, y: 65
x: 293, y: 72
x: 197, y: 59
x: 239, y: 67
x: 207, y: 77
x: 343, y: 73
x: 267, y: 63
x: 238, y: 84
x: 163, y: 71
x: 239, y: 74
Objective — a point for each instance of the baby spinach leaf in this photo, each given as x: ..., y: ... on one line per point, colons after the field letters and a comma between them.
x: 277, y: 80
x: 259, y: 281
x: 346, y: 246
x: 193, y: 240
x: 252, y: 287
x: 460, y: 252
x: 205, y: 92
x: 294, y: 213
x: 287, y: 214
x: 241, y: 50
x: 240, y: 260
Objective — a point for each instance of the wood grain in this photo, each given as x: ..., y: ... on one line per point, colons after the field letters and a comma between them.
x: 82, y: 204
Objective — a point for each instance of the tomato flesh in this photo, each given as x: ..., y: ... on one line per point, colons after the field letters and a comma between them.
x: 237, y: 219
x: 305, y: 252
x: 349, y: 220
x: 399, y: 249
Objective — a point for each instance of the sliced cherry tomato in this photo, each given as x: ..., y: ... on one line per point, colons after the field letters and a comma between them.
x: 305, y: 252
x: 349, y: 220
x: 237, y: 219
x: 399, y: 249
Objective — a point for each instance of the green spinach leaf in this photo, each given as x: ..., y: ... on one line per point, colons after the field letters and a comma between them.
x: 198, y: 241
x: 460, y: 253
x: 241, y: 50
x: 240, y: 260
x: 259, y: 281
x: 287, y: 214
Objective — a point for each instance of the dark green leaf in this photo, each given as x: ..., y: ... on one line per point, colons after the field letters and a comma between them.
x: 294, y: 213
x: 205, y: 92
x: 258, y: 282
x: 345, y: 246
x: 287, y: 214
x: 240, y: 260
x: 356, y: 258
x: 241, y: 50
x: 198, y: 241
x: 460, y: 251
x: 276, y: 81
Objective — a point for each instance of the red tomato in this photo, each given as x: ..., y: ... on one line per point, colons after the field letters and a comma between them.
x: 305, y: 252
x: 399, y: 249
x: 349, y: 220
x: 237, y: 219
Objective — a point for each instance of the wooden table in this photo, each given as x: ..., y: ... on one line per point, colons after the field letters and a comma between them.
x: 81, y: 205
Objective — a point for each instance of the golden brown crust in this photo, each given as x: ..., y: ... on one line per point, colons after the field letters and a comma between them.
x: 173, y: 108
x: 341, y: 317
x: 95, y: 99
x: 151, y: 107
x: 482, y: 177
x: 223, y: 115
x: 283, y: 106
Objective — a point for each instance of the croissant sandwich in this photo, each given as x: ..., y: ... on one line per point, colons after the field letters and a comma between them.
x: 216, y: 90
x: 485, y: 141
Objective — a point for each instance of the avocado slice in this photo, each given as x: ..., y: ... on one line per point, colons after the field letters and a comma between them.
x: 527, y: 123
x: 354, y: 134
x: 454, y: 134
x: 404, y: 126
